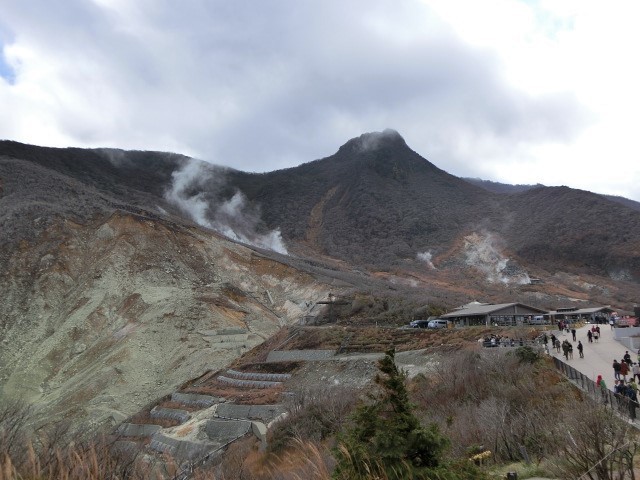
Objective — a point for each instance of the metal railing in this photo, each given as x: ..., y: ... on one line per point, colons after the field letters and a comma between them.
x: 621, y: 403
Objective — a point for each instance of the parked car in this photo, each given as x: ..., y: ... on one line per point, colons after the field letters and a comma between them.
x: 538, y: 320
x: 438, y: 323
x: 419, y: 323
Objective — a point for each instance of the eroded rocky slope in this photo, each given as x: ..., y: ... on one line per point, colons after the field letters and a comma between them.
x: 100, y: 319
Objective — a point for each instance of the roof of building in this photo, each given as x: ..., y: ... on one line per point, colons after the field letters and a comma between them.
x: 475, y: 308
x: 582, y: 311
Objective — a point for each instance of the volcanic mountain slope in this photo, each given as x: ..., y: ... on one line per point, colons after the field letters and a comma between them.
x: 109, y: 300
x: 39, y: 185
x: 372, y: 202
x: 376, y: 202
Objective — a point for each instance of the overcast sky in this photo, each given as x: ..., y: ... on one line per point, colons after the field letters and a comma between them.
x: 513, y: 91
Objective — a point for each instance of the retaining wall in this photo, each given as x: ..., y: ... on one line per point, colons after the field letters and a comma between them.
x: 265, y: 413
x: 224, y: 431
x: 170, y: 413
x: 300, y: 355
x: 247, y: 383
x: 270, y: 377
x: 180, y: 449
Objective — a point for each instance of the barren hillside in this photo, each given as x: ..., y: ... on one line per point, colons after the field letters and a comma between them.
x: 99, y: 319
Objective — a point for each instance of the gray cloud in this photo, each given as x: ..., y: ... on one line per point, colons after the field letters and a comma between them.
x: 266, y: 85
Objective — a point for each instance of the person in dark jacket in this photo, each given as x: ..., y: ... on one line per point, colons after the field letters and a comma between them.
x: 616, y: 369
x: 580, y: 348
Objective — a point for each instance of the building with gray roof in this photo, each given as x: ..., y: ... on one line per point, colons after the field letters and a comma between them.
x: 477, y: 313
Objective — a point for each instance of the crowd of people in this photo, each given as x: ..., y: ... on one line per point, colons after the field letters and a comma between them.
x: 626, y: 371
x: 501, y: 341
x: 566, y: 346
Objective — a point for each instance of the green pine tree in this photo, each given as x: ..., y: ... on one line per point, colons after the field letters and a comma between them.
x: 387, y: 441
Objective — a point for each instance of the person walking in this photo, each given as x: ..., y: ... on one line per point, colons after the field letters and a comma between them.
x: 627, y: 357
x: 618, y: 388
x: 624, y: 370
x: 573, y: 333
x: 604, y: 392
x: 590, y: 338
x: 632, y: 383
x: 580, y: 347
x: 635, y: 371
x: 616, y: 369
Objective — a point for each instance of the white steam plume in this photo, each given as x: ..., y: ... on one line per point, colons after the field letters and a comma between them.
x: 234, y: 218
x: 426, y: 257
x: 482, y: 253
x: 371, y: 141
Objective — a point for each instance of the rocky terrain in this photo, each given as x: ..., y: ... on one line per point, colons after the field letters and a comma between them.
x: 123, y: 310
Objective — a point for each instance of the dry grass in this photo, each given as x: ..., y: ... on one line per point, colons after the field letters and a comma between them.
x: 91, y: 462
x: 305, y: 461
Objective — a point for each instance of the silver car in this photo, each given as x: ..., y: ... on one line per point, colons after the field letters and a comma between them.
x: 439, y: 323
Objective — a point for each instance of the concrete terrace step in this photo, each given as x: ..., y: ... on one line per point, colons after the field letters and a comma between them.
x: 181, y: 449
x: 195, y: 399
x: 126, y: 447
x: 269, y: 377
x: 300, y: 355
x: 222, y: 431
x: 266, y: 413
x: 248, y: 383
x: 170, y: 414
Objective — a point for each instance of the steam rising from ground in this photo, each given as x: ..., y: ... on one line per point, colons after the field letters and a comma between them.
x: 191, y: 189
x: 426, y: 257
x: 483, y: 253
x: 371, y: 141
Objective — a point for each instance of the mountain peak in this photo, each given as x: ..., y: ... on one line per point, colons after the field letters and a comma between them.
x: 371, y: 141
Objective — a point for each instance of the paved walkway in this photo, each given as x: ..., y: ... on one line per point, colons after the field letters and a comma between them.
x: 598, y: 357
